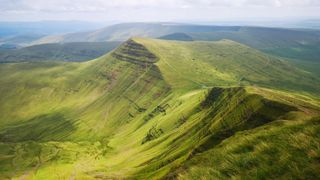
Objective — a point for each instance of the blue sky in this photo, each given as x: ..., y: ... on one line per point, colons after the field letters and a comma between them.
x: 156, y: 10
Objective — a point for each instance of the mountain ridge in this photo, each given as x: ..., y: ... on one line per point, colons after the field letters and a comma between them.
x: 147, y: 111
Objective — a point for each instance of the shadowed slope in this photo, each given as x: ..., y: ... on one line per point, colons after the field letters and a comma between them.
x: 77, y: 51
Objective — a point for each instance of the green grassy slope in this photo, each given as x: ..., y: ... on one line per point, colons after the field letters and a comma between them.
x: 146, y: 110
x: 225, y: 63
x: 79, y: 51
x: 283, y: 149
x: 288, y: 43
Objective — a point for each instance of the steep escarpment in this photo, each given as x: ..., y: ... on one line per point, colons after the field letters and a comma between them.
x: 132, y: 51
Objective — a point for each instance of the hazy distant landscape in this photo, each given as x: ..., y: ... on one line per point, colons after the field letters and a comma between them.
x: 122, y: 90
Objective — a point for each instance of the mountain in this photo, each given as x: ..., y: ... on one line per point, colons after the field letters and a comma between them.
x: 300, y: 44
x: 77, y: 51
x: 156, y: 109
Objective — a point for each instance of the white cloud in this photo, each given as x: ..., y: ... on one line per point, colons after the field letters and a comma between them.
x: 283, y: 3
x: 98, y: 5
x: 153, y: 10
x: 84, y: 5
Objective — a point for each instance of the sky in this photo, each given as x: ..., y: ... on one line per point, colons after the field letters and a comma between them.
x: 156, y: 10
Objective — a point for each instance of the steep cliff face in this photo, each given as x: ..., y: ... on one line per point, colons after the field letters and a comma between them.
x: 134, y: 52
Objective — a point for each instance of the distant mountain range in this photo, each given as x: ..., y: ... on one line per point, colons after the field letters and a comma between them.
x: 296, y: 44
x: 290, y: 43
x: 21, y: 34
x: 45, y: 27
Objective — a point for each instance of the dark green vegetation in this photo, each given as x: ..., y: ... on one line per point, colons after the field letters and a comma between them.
x: 79, y: 51
x: 177, y: 36
x: 160, y: 109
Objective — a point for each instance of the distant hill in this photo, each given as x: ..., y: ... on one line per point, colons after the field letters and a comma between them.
x: 177, y: 36
x: 159, y: 109
x: 19, y: 40
x: 77, y: 51
x: 290, y: 43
